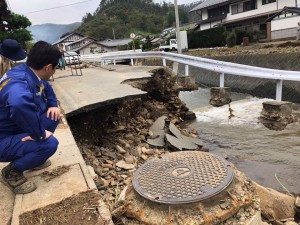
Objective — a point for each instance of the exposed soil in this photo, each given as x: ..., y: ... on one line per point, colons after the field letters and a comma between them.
x: 49, y: 175
x: 67, y: 212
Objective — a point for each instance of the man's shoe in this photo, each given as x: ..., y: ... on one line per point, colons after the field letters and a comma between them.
x: 43, y: 166
x: 12, y: 176
x: 15, y: 180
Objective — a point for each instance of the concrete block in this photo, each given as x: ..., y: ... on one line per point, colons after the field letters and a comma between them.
x: 276, y: 115
x: 220, y: 96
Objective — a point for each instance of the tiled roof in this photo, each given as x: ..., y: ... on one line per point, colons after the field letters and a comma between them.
x: 114, y: 43
x: 62, y: 39
x: 285, y: 10
x: 208, y: 3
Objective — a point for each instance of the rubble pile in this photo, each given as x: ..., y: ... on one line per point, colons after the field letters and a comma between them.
x: 116, y: 138
x: 113, y: 138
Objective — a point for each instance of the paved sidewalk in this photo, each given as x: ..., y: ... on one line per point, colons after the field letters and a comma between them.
x: 97, y: 86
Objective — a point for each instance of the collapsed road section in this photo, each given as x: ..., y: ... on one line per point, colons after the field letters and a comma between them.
x: 115, y: 138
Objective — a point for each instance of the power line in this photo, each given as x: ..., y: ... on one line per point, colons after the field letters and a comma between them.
x: 57, y: 7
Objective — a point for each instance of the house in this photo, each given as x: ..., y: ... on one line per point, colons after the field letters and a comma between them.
x: 247, y: 15
x: 72, y: 41
x: 168, y: 30
x: 92, y: 47
x: 110, y: 45
x: 287, y: 18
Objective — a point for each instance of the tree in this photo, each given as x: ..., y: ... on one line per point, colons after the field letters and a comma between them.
x: 15, y: 28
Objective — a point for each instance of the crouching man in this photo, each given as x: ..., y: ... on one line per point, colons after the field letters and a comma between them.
x: 29, y: 115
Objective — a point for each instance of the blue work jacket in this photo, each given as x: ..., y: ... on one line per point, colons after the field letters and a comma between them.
x: 23, y: 98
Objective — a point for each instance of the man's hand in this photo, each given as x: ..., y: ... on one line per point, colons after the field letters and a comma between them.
x: 28, y: 138
x: 54, y: 113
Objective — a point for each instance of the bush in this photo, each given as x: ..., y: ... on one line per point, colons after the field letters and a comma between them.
x: 241, y: 33
x: 213, y: 37
x: 230, y: 39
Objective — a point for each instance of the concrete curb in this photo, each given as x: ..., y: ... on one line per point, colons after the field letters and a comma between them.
x: 77, y: 180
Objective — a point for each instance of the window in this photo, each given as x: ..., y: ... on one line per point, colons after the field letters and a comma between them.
x: 267, y: 1
x: 243, y: 6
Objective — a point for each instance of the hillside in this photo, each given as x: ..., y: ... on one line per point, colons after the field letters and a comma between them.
x: 119, y: 18
x: 51, y: 32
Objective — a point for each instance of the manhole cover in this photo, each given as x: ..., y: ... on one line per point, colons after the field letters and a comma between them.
x: 182, y: 177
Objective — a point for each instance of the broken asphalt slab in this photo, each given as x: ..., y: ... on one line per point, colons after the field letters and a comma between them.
x: 97, y: 87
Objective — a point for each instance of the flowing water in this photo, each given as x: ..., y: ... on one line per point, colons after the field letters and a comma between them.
x: 271, y: 158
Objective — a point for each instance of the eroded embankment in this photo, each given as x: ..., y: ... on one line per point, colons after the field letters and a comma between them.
x: 116, y: 132
x: 112, y: 138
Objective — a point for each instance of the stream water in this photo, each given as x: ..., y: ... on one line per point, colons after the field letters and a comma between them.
x: 271, y: 158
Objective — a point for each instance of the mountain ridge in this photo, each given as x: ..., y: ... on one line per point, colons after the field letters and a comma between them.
x: 51, y: 32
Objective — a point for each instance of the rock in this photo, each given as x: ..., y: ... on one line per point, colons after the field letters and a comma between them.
x: 123, y: 194
x: 291, y: 223
x: 204, y: 149
x: 110, y: 166
x: 189, y: 115
x: 92, y: 172
x: 129, y: 159
x: 122, y: 164
x: 144, y: 157
x: 105, y: 183
x: 121, y: 141
x: 147, y: 151
x: 120, y: 149
x: 275, y: 205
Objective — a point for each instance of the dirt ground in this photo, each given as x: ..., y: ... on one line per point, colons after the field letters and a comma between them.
x: 65, y: 211
x: 260, y: 48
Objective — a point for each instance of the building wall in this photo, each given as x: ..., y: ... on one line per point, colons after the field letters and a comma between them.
x: 209, y: 25
x: 280, y: 4
x: 285, y: 22
x: 290, y: 3
x: 87, y: 50
x: 110, y: 49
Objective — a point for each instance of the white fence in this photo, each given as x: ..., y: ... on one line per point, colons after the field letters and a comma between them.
x: 209, y: 64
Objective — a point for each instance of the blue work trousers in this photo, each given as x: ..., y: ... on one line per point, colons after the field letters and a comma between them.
x: 29, y: 154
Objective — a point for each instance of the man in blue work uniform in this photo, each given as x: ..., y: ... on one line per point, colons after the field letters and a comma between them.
x: 29, y: 115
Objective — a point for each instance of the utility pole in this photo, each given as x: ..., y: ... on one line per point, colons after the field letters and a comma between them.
x: 113, y: 30
x: 177, y: 28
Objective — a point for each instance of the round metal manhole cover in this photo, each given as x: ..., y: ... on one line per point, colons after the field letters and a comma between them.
x: 182, y: 177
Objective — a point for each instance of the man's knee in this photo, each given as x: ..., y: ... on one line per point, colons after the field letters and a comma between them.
x: 51, y: 145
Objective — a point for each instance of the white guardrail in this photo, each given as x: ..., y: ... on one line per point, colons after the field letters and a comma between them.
x: 220, y: 67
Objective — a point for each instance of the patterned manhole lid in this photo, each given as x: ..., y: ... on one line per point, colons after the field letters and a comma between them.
x: 182, y: 177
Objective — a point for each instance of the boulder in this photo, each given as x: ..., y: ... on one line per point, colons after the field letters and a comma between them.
x: 275, y: 205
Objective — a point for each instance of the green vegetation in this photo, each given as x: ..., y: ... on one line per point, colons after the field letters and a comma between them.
x: 207, y: 38
x: 231, y: 38
x: 119, y: 18
x: 13, y: 26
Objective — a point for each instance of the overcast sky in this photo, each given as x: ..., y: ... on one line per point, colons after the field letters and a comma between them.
x: 58, y: 11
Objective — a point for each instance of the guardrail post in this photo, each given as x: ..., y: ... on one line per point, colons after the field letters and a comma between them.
x: 222, y: 80
x: 279, y: 90
x: 114, y: 62
x: 132, y: 62
x: 164, y: 62
x: 186, y: 70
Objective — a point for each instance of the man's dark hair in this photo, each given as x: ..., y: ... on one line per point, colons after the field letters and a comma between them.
x: 42, y: 54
